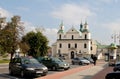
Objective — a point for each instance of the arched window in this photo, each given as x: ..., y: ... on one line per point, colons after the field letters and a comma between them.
x: 85, y: 45
x: 72, y: 37
x: 75, y: 45
x: 85, y: 36
x: 68, y: 45
x: 91, y: 48
x: 60, y: 45
x: 59, y: 36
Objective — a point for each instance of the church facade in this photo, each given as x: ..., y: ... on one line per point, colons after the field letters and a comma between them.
x: 74, y: 42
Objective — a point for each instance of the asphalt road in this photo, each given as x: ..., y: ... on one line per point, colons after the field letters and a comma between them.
x: 4, y: 72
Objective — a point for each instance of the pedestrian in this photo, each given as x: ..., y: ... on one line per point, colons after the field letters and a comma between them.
x: 94, y: 59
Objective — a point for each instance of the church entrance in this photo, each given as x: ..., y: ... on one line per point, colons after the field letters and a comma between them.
x: 72, y: 54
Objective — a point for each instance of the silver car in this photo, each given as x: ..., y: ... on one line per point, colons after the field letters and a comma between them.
x: 80, y: 61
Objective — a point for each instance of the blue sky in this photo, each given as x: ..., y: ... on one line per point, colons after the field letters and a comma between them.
x: 103, y: 16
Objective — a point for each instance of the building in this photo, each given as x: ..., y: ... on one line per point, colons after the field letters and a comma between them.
x: 74, y: 42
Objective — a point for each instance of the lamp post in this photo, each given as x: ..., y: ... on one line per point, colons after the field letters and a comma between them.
x: 114, y: 37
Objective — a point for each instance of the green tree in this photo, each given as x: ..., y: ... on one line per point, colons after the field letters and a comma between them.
x: 10, y: 35
x: 37, y: 43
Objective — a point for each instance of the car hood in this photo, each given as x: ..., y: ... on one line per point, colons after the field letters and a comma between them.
x: 62, y: 62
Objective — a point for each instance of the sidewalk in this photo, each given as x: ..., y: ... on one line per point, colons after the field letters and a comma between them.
x: 90, y: 73
x: 84, y: 72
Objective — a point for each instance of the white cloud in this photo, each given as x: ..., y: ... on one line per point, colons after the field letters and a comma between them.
x: 51, y: 34
x: 113, y: 26
x: 4, y: 13
x: 28, y: 27
x: 72, y: 14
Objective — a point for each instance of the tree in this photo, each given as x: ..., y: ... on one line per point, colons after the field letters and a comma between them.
x: 37, y: 43
x: 11, y: 34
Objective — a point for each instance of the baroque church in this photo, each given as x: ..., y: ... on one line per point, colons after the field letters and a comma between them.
x: 74, y: 42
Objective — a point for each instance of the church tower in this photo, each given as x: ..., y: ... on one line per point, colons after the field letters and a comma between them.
x: 60, y: 33
x: 86, y: 32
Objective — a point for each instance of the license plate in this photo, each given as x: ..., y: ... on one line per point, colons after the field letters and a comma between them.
x: 39, y: 72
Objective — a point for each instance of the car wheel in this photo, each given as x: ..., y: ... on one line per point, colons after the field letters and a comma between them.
x: 22, y: 74
x: 10, y: 72
x: 66, y: 68
x: 44, y: 74
x: 73, y: 63
x: 54, y: 68
x: 80, y: 63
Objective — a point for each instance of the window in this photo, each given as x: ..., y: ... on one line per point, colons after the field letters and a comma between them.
x: 68, y: 45
x: 85, y: 36
x: 59, y: 36
x: 91, y: 42
x: 85, y: 45
x: 75, y: 45
x: 91, y: 48
x: 72, y: 37
x: 60, y: 45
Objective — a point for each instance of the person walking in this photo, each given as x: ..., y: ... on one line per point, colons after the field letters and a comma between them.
x: 94, y: 59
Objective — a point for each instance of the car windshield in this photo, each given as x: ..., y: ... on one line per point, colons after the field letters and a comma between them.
x: 81, y: 58
x: 57, y: 60
x: 30, y: 61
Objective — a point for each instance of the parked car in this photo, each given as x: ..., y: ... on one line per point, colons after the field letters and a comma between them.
x: 117, y: 67
x: 113, y: 75
x: 80, y: 61
x: 54, y: 63
x: 27, y: 66
x: 89, y: 59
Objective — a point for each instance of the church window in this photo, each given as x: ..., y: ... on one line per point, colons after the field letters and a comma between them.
x: 59, y: 36
x: 85, y: 45
x: 68, y: 45
x: 91, y: 42
x: 91, y: 48
x: 72, y: 37
x: 75, y: 45
x: 85, y: 36
x: 60, y: 45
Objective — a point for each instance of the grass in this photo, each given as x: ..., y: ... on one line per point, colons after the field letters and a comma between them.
x: 4, y: 61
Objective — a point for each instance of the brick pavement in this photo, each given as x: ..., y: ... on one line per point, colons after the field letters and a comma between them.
x: 102, y: 74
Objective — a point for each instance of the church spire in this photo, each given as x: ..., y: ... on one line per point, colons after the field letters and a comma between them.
x: 86, y: 25
x: 61, y: 28
x: 81, y: 26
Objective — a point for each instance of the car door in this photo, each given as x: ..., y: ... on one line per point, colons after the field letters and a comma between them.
x: 18, y: 65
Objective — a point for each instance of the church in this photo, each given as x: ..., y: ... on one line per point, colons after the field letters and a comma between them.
x: 74, y: 42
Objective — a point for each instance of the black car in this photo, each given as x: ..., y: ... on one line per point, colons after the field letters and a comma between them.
x: 117, y: 67
x: 113, y: 75
x: 54, y: 63
x: 26, y: 66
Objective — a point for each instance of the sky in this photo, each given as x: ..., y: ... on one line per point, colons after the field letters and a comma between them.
x: 102, y: 16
